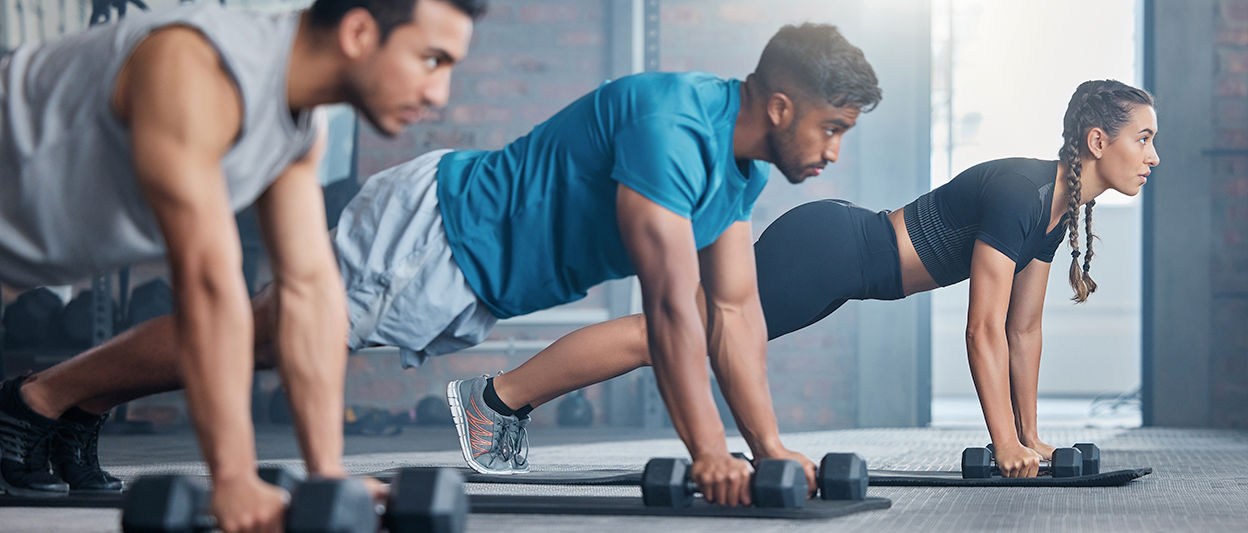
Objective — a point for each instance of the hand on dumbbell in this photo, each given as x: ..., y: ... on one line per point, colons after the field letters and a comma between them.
x: 1045, y: 451
x: 379, y: 490
x: 723, y: 479
x: 807, y: 465
x: 1017, y: 461
x: 248, y: 504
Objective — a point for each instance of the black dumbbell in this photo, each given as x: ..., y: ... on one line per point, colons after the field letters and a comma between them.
x: 428, y: 500
x: 668, y: 482
x: 978, y: 463
x: 1091, y: 457
x: 843, y: 476
x: 180, y: 504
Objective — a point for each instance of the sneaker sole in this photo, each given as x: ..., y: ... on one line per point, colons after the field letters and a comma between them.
x: 6, y: 488
x: 461, y: 427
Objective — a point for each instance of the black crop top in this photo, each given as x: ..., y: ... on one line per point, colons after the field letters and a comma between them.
x: 1005, y: 203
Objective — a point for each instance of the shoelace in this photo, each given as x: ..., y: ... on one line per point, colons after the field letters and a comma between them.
x: 505, y: 444
x: 519, y: 437
x: 85, y: 441
x: 38, y: 452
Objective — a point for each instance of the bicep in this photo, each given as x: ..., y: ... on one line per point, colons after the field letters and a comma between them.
x: 727, y: 267
x: 992, y: 278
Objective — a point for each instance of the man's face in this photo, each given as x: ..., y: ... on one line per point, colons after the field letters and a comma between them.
x: 808, y: 137
x: 394, y: 83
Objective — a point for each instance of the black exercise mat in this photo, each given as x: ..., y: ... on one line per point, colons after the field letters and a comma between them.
x: 879, y: 478
x: 954, y: 479
x: 553, y: 505
x: 632, y: 506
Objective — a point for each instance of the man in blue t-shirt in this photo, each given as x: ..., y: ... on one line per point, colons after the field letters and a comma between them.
x: 653, y: 174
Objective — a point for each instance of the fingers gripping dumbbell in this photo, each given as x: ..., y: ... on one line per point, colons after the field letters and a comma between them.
x: 668, y: 482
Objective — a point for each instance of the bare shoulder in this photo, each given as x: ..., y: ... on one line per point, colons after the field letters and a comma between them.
x: 176, y: 76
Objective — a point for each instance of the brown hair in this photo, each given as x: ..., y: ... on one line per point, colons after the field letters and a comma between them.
x: 1104, y: 104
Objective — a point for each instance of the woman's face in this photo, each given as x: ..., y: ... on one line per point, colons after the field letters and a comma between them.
x: 1127, y: 159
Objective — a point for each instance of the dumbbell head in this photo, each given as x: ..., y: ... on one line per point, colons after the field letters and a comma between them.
x: 1091, y: 458
x: 165, y: 504
x: 326, y: 505
x: 1067, y: 462
x: 666, y: 483
x: 779, y: 483
x: 976, y: 463
x: 427, y: 500
x: 842, y: 476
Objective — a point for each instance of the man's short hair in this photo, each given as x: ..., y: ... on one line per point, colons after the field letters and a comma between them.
x: 815, y: 60
x: 389, y: 14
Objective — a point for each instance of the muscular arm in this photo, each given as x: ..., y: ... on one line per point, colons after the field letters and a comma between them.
x: 987, y: 349
x: 737, y: 336
x: 661, y: 246
x: 1022, y: 332
x: 183, y: 113
x: 311, y: 321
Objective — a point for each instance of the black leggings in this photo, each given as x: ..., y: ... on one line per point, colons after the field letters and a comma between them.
x: 817, y: 256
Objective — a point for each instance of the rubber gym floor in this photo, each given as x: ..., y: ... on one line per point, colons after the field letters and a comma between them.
x: 1199, y: 483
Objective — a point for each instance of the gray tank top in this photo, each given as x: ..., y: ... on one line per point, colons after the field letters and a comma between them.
x: 70, y: 204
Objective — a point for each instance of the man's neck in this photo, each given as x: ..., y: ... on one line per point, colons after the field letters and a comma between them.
x: 314, y: 74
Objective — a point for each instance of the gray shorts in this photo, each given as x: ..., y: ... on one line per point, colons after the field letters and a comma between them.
x: 403, y: 287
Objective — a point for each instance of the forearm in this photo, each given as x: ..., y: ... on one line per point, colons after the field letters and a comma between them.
x: 1024, y: 381
x: 988, y: 355
x: 678, y: 351
x: 311, y: 343
x: 214, y: 328
x: 738, y: 353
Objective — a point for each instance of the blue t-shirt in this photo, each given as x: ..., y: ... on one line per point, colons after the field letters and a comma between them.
x: 534, y: 225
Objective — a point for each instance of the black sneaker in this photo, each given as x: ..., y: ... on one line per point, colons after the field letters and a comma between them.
x: 24, y: 445
x: 74, y: 452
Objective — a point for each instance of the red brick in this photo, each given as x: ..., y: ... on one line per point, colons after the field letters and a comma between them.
x: 1233, y: 12
x: 681, y: 16
x: 581, y: 38
x: 1233, y: 85
x: 479, y: 114
x: 1232, y: 36
x: 1233, y: 137
x: 744, y: 14
x: 529, y: 64
x: 1231, y: 111
x: 1233, y: 61
x: 548, y: 13
x: 498, y: 88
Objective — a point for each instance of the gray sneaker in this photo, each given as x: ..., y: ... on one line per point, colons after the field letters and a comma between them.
x: 489, y: 440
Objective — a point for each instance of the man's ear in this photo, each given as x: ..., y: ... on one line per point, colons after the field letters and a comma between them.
x: 358, y: 34
x: 780, y: 110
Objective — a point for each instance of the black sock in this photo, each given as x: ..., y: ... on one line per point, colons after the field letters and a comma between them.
x: 494, y: 402
x: 523, y: 412
x: 80, y: 416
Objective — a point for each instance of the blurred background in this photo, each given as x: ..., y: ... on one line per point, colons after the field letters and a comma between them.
x: 1163, y: 341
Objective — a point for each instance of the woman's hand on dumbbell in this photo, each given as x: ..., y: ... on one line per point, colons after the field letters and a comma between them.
x: 1045, y: 451
x: 808, y: 466
x: 1016, y: 460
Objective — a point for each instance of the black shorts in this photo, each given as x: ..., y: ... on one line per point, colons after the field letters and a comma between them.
x: 817, y: 256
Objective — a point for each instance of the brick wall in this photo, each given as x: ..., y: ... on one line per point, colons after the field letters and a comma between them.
x: 1229, y: 210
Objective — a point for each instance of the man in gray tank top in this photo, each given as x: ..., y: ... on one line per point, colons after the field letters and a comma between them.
x: 130, y: 141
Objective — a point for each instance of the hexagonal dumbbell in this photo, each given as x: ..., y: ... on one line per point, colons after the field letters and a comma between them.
x: 668, y: 482
x: 1091, y: 458
x: 843, y: 476
x: 427, y: 500
x: 978, y: 463
x: 177, y: 504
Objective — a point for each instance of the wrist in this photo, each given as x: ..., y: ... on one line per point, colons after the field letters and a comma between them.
x: 770, y: 447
